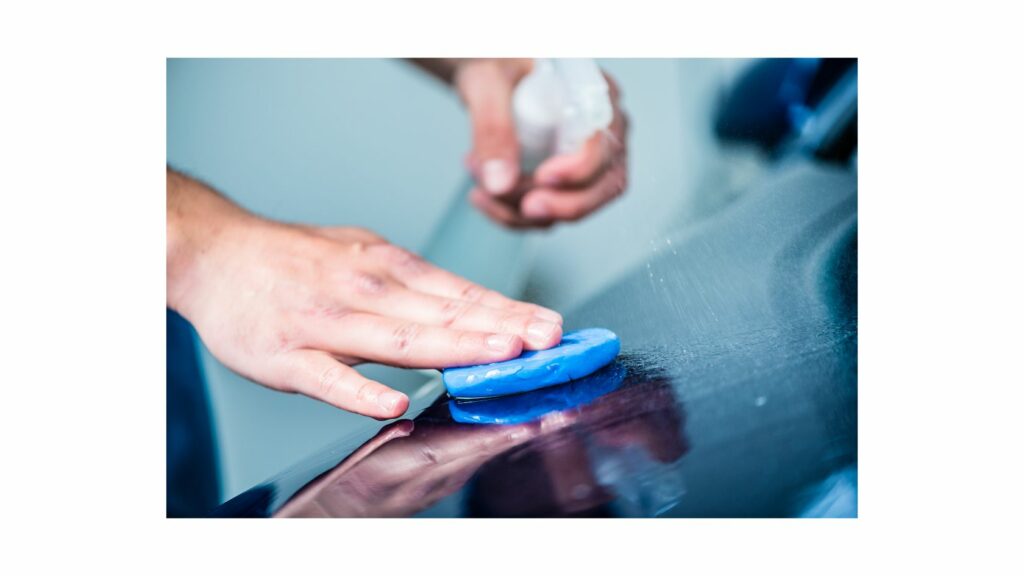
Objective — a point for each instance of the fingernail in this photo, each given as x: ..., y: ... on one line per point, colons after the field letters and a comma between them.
x: 542, y: 331
x: 497, y: 176
x: 500, y: 342
x: 390, y: 400
x: 536, y: 209
x: 549, y: 315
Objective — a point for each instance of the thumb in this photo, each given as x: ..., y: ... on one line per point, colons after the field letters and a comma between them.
x: 487, y: 91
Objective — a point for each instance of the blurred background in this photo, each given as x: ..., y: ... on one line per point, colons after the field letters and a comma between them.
x: 379, y: 144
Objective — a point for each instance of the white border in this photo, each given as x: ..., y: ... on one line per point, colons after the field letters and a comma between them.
x: 83, y: 131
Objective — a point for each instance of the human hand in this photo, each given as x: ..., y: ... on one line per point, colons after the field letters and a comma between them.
x: 295, y: 307
x: 565, y: 187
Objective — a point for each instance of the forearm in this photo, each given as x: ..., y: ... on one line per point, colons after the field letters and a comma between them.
x: 196, y: 217
x: 449, y: 70
x: 442, y: 68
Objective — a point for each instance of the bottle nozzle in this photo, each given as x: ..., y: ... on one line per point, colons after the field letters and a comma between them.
x: 559, y: 105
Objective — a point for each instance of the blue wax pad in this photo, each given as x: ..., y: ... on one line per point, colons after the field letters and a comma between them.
x: 529, y: 406
x: 579, y: 354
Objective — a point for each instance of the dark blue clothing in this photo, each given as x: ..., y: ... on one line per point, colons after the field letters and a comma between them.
x: 193, y: 483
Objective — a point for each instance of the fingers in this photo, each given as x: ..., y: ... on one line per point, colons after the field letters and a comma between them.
x: 317, y: 375
x: 408, y: 344
x: 582, y: 167
x: 546, y: 204
x: 402, y: 303
x: 504, y: 214
x: 578, y: 168
x: 418, y: 274
x: 487, y: 92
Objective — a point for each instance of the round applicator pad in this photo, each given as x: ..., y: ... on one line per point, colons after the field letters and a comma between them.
x: 530, y: 406
x: 580, y: 353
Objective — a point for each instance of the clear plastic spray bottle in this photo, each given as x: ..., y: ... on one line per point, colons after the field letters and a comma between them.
x: 557, y: 107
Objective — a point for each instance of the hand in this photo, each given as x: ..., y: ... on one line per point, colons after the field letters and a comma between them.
x: 295, y: 307
x: 563, y: 188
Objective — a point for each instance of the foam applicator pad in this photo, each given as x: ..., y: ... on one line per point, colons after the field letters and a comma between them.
x: 579, y: 354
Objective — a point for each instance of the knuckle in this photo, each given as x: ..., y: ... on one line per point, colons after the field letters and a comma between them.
x: 282, y: 341
x: 404, y: 337
x: 399, y: 259
x: 368, y: 284
x: 452, y: 311
x: 357, y: 248
x: 366, y: 235
x: 471, y: 293
x: 366, y: 393
x: 329, y: 381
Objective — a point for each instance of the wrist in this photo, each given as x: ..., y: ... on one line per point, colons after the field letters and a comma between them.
x: 198, y: 222
x: 468, y: 72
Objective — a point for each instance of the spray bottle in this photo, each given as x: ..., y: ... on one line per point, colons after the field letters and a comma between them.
x: 557, y: 107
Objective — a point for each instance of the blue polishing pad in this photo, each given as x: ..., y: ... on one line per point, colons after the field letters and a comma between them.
x: 520, y: 408
x: 580, y: 353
